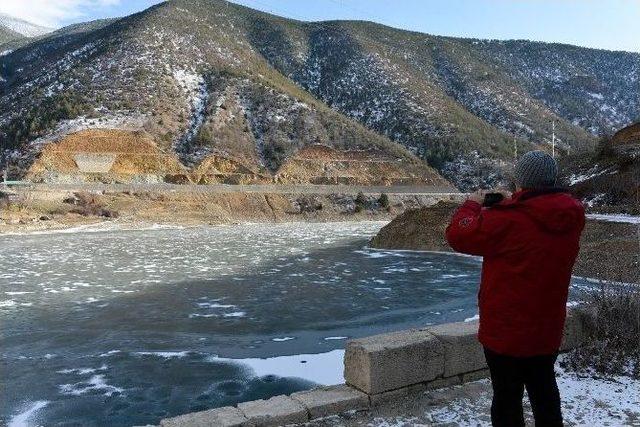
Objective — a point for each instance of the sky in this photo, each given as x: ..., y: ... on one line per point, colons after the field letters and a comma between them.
x: 606, y: 24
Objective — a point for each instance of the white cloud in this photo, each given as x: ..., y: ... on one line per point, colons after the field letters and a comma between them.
x: 52, y: 13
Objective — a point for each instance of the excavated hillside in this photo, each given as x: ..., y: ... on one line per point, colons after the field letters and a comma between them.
x: 106, y: 156
x: 124, y: 156
x: 210, y: 78
x: 627, y: 136
x: 608, y: 180
x: 318, y: 164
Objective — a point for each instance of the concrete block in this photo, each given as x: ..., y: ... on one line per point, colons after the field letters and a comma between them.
x: 476, y: 376
x: 392, y: 361
x: 397, y: 395
x: 220, y: 417
x: 277, y: 411
x: 444, y: 382
x: 462, y: 351
x: 574, y: 330
x: 334, y: 400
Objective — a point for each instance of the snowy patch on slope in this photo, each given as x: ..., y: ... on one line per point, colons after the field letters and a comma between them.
x: 124, y: 120
x: 589, y: 174
x: 197, y: 93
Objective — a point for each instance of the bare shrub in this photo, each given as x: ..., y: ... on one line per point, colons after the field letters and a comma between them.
x: 384, y: 201
x: 361, y: 202
x: 612, y: 320
x: 308, y: 204
x: 4, y: 200
x: 87, y: 204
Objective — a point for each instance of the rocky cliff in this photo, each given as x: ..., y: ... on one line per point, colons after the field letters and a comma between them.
x: 608, y: 179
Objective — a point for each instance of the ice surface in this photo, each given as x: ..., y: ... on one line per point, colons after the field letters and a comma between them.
x: 97, y: 383
x: 114, y: 315
x: 317, y: 368
x: 26, y: 418
x: 473, y: 318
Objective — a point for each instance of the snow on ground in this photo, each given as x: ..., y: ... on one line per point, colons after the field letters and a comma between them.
x: 586, y: 401
x: 628, y: 219
x: 595, y: 200
x: 591, y: 173
x: 599, y: 401
x: 120, y: 119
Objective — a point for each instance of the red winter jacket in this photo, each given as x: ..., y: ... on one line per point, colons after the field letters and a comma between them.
x: 529, y: 243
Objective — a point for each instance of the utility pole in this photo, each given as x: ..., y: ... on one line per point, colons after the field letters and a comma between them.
x: 553, y: 140
x: 515, y: 149
x: 4, y: 160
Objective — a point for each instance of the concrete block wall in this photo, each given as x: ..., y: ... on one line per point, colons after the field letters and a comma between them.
x: 444, y: 354
x: 377, y: 370
x: 297, y: 408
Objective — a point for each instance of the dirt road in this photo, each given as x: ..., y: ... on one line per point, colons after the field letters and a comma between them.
x: 225, y: 188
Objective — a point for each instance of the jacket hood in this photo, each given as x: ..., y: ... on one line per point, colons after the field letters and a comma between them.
x: 555, y: 210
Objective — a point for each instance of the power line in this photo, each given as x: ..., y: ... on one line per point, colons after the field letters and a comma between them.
x: 372, y: 18
x: 321, y: 24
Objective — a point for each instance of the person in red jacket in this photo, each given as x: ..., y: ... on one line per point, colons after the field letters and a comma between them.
x: 529, y: 243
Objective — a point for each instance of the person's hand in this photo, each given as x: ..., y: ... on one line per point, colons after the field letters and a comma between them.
x: 479, y: 195
x: 505, y: 193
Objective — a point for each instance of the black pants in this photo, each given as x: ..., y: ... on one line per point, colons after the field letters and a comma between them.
x: 509, y: 377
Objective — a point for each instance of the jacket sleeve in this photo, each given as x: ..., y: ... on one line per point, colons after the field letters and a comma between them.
x: 476, y: 231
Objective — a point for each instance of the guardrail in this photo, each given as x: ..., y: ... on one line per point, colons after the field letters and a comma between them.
x: 377, y: 369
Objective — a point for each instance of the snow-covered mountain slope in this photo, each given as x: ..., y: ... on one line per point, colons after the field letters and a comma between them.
x: 22, y: 27
x: 195, y: 86
x: 7, y: 35
x: 207, y: 76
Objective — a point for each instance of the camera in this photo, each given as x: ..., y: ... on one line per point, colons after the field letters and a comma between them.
x: 491, y: 199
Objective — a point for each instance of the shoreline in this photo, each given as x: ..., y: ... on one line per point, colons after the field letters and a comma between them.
x: 58, y: 210
x: 131, y: 224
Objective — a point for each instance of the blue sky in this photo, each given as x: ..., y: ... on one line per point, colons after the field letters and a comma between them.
x: 608, y: 24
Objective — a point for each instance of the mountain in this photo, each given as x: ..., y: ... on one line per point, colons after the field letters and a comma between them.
x: 207, y: 79
x: 16, y: 32
x: 22, y: 27
x: 7, y: 35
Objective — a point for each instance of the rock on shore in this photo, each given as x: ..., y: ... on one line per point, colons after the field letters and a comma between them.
x: 417, y: 229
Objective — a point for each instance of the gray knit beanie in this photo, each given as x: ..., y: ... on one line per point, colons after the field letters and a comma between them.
x: 535, y: 170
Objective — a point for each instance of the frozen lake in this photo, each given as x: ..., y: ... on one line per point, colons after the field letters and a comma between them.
x: 124, y: 328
